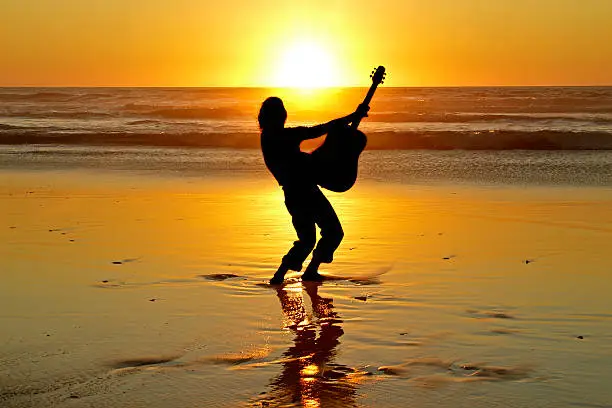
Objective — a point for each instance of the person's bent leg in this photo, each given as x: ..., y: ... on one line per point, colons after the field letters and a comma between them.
x: 306, y: 231
x: 331, y: 236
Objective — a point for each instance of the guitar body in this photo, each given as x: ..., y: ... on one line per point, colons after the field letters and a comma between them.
x: 336, y: 160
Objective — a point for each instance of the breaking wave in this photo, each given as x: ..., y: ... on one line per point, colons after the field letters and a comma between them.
x: 398, y: 117
x: 38, y: 96
x: 56, y: 114
x: 183, y: 112
x: 400, y: 140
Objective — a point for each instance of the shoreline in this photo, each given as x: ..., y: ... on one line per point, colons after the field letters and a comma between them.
x: 407, y: 167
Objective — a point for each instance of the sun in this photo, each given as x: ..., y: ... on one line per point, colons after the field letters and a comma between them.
x: 306, y: 64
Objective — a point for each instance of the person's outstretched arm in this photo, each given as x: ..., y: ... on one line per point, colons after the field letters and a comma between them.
x: 319, y: 130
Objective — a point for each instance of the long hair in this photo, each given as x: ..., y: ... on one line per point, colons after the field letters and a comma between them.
x: 272, y: 113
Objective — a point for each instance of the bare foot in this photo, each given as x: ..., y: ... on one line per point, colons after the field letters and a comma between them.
x: 276, y: 280
x: 279, y: 275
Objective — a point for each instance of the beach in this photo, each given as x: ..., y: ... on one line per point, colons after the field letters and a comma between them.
x: 160, y: 167
x: 140, y: 279
x: 145, y: 236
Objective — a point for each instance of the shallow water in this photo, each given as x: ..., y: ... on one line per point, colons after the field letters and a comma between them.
x: 408, y: 167
x: 148, y: 289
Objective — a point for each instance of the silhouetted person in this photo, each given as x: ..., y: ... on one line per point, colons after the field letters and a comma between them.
x: 294, y: 171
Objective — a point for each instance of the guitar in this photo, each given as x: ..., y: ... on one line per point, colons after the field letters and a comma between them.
x: 336, y: 160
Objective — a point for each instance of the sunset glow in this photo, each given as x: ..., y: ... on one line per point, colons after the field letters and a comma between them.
x: 306, y: 65
x: 304, y: 43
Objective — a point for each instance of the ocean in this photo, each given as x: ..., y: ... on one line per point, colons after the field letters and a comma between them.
x: 553, y: 136
x: 530, y: 118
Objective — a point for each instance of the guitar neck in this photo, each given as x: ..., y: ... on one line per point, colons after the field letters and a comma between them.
x: 366, y: 101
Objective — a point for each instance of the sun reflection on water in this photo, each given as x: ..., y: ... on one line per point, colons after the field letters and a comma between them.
x: 310, y: 370
x: 309, y: 373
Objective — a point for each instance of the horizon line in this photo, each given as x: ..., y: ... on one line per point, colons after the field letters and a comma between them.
x: 303, y: 89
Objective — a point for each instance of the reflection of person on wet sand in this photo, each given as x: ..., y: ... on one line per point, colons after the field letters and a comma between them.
x: 309, y: 376
x: 305, y: 202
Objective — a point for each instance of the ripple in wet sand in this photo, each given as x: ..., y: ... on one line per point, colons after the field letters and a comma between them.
x: 433, y: 372
x: 219, y: 276
x: 143, y: 361
x: 495, y: 314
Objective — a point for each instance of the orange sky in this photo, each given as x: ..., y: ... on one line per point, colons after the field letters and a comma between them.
x: 244, y: 42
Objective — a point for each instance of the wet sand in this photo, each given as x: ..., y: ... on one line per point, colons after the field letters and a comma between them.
x: 136, y: 290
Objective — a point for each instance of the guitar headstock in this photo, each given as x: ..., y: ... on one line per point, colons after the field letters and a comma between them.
x: 378, y: 75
